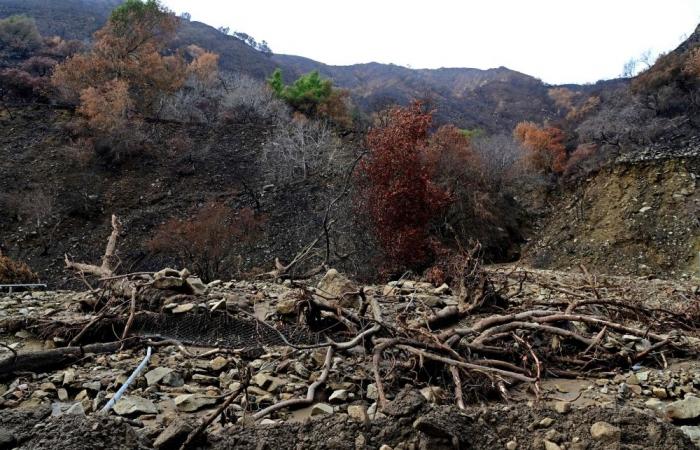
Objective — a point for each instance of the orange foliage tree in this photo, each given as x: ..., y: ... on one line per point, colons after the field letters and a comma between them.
x: 399, y: 192
x: 545, y: 146
x: 205, y: 241
x: 106, y: 106
x: 128, y: 51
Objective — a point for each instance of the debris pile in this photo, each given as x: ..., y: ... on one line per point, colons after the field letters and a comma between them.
x: 508, y: 358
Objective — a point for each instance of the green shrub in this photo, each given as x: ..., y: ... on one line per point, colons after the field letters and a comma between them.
x: 305, y: 94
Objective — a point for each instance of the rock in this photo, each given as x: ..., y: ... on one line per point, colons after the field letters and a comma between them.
x: 7, y: 439
x: 68, y: 376
x: 132, y: 404
x: 644, y: 209
x: 407, y: 402
x: 218, y: 363
x: 623, y: 389
x: 76, y: 410
x: 23, y: 334
x: 358, y: 413
x: 174, y: 435
x: 511, y: 445
x: 432, y: 394
x: 193, y: 402
x: 336, y: 284
x: 268, y: 382
x: 546, y: 422
x: 554, y: 436
x: 185, y: 307
x: 62, y: 395
x: 659, y: 392
x: 286, y: 306
x: 173, y: 379
x: 157, y: 374
x: 196, y: 285
x: 372, y: 391
x: 320, y: 409
x: 168, y: 283
x: 442, y: 290
x: 693, y: 432
x: 632, y: 379
x: 603, y: 431
x: 385, y: 447
x: 643, y: 376
x: 636, y: 389
x: 562, y: 407
x: 549, y: 445
x: 167, y: 272
x: 205, y: 379
x: 48, y: 387
x: 301, y: 370
x: 338, y: 396
x: 688, y: 408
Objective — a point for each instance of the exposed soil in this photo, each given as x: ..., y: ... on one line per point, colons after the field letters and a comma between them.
x: 634, y: 218
x: 77, y: 198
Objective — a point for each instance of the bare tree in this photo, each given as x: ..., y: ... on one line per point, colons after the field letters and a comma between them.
x: 299, y: 148
x: 500, y: 156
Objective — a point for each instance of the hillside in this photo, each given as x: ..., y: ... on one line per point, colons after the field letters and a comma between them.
x: 232, y: 261
x: 638, y: 213
x: 493, y: 100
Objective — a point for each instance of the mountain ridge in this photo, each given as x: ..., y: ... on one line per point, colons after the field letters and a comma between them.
x: 490, y: 99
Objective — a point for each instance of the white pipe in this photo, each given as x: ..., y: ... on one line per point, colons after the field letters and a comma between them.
x: 126, y: 384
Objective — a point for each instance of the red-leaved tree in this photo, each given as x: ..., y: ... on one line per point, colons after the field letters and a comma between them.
x: 399, y: 194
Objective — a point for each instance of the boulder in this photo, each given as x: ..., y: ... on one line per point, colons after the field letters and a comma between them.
x: 358, y: 413
x: 168, y: 283
x: 268, y: 382
x: 218, y: 363
x: 185, y: 307
x: 196, y: 285
x: 174, y: 435
x: 131, y: 405
x: 193, y: 402
x: 154, y: 376
x: 335, y: 284
x: 688, y: 408
x: 603, y: 431
x: 320, y: 409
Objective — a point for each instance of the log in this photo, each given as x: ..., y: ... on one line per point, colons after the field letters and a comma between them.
x: 45, y: 360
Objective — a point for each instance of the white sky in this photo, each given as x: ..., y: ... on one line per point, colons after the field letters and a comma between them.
x: 558, y: 41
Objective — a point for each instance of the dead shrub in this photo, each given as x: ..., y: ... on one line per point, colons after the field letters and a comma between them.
x: 15, y: 272
x: 206, y: 241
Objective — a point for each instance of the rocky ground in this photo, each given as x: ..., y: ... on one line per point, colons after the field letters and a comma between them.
x: 651, y: 404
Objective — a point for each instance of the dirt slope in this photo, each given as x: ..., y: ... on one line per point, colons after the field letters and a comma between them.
x: 638, y: 217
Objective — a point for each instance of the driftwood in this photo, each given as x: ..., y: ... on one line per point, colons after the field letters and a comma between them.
x: 42, y: 361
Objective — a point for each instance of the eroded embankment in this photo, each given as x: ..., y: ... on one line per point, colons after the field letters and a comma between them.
x: 633, y: 218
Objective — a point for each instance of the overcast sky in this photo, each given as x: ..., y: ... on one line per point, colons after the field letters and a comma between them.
x: 558, y: 41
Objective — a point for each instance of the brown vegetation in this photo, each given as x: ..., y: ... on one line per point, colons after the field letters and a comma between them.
x: 205, y: 241
x: 12, y: 272
x: 545, y: 146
